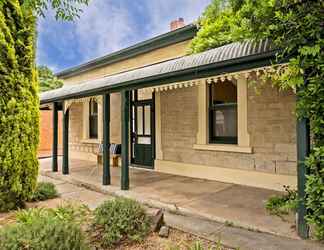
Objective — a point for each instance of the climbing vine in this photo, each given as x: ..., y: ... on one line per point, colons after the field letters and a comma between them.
x: 296, y: 28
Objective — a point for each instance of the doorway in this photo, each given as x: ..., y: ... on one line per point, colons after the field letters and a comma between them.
x: 142, y: 130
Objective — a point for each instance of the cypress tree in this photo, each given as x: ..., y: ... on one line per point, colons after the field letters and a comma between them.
x: 19, y: 104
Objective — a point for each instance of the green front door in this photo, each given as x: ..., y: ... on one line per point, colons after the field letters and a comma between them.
x: 142, y: 133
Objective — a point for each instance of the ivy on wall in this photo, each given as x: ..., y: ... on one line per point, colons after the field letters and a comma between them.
x: 296, y: 28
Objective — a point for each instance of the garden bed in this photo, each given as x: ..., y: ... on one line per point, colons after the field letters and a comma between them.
x: 176, y: 240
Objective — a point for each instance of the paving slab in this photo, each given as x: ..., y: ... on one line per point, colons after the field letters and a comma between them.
x: 67, y: 188
x: 90, y: 198
x: 42, y: 178
x: 244, y: 205
x: 237, y: 237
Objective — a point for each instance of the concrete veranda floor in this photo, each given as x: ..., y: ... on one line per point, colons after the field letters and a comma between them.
x: 241, y: 205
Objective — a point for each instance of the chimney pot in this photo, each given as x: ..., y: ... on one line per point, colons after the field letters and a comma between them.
x: 176, y: 24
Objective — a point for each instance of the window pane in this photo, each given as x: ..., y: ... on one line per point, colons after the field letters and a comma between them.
x: 93, y: 126
x: 133, y: 119
x: 144, y: 140
x: 223, y: 92
x: 225, y: 121
x: 140, y: 120
x: 147, y: 110
x: 93, y: 107
x: 223, y: 112
x: 93, y: 119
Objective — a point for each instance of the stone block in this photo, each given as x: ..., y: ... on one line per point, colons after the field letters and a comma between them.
x: 285, y: 148
x: 267, y: 166
x: 286, y: 167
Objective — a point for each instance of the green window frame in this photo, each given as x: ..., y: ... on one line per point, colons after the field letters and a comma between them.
x: 93, y: 119
x: 218, y: 108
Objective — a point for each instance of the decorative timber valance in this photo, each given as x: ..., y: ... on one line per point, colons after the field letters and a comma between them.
x: 219, y: 78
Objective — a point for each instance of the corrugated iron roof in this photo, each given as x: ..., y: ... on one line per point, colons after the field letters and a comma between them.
x: 226, y: 53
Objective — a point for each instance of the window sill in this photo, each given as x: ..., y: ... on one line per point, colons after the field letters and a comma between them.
x: 224, y: 148
x: 90, y: 141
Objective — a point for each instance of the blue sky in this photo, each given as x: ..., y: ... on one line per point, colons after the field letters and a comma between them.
x: 106, y: 26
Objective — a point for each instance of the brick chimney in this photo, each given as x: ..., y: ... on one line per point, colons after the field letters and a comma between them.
x: 176, y: 24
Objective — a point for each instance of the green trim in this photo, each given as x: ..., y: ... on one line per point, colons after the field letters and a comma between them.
x: 106, y: 140
x: 125, y: 139
x: 65, y: 165
x: 234, y: 65
x: 55, y: 137
x: 166, y: 39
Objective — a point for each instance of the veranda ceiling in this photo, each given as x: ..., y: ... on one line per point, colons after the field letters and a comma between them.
x: 227, y: 58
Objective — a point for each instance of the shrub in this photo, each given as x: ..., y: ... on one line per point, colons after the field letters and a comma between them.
x: 65, y: 212
x: 72, y: 212
x: 42, y: 229
x: 120, y: 219
x: 44, y: 191
x: 28, y: 216
x: 280, y: 205
x: 315, y: 191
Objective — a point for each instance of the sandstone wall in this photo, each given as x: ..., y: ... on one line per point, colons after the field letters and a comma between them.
x: 271, y: 125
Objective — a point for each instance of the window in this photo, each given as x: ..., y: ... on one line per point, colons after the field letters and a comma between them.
x: 93, y: 119
x: 223, y: 112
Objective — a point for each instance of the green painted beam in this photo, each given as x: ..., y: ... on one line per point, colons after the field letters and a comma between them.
x: 303, y: 149
x: 125, y: 139
x: 106, y: 140
x: 65, y: 165
x: 55, y: 137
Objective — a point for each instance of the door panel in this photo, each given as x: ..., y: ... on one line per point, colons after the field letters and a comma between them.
x: 142, y: 128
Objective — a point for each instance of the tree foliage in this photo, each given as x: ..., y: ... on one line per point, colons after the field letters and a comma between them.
x: 64, y: 9
x: 296, y: 28
x: 47, y: 80
x: 19, y: 103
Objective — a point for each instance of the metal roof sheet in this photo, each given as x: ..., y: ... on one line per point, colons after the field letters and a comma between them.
x: 215, y: 56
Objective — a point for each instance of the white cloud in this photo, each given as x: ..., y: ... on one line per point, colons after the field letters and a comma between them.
x: 109, y: 25
x: 163, y: 12
x: 103, y: 27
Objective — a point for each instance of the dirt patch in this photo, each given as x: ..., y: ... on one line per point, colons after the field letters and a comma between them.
x: 176, y: 240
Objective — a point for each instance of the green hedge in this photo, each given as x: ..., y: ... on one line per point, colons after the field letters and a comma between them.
x: 19, y: 105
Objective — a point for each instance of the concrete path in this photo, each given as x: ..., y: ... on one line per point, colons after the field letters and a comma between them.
x: 71, y: 192
x: 230, y: 236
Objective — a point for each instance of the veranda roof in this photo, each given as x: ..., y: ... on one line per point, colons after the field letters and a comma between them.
x: 228, y: 58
